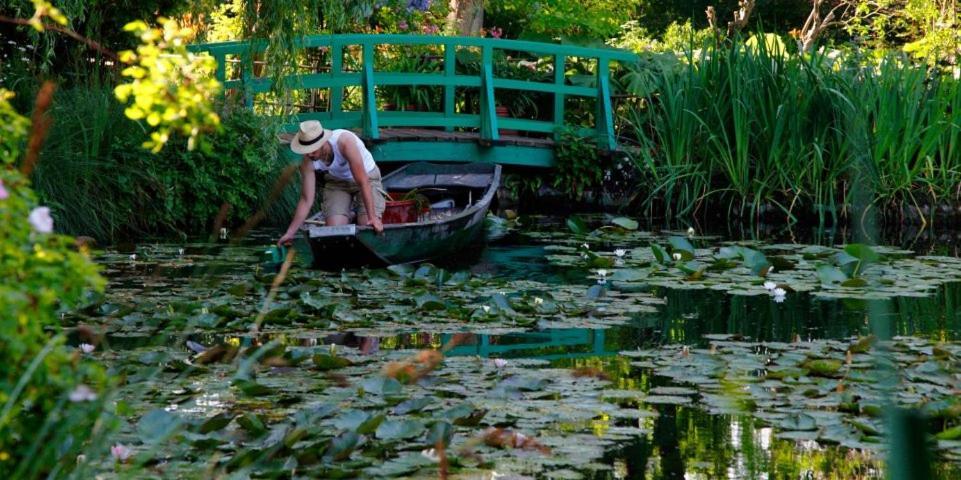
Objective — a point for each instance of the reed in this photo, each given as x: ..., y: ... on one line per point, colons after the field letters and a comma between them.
x: 751, y: 129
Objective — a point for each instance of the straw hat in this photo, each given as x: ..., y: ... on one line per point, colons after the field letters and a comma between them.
x: 312, y: 135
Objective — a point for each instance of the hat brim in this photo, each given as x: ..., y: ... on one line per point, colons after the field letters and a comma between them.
x: 301, y: 149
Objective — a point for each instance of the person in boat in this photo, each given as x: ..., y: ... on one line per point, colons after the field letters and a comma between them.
x: 349, y: 172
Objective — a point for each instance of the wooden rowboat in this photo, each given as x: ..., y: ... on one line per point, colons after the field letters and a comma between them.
x: 460, y: 196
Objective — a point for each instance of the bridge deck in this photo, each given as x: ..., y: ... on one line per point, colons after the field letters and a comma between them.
x: 439, y: 135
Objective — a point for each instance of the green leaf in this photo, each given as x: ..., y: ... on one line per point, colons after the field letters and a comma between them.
x: 342, y: 445
x: 862, y: 252
x: 660, y: 254
x: 158, y: 425
x: 399, y: 429
x: 324, y: 362
x: 440, y: 431
x: 429, y: 302
x: 828, y: 274
x: 252, y: 388
x: 683, y: 246
x: 412, y: 405
x: 625, y: 223
x: 577, y: 226
x: 382, y: 386
x: 216, y: 422
x: 252, y: 424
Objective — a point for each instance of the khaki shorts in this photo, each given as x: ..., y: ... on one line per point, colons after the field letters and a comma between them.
x: 341, y: 197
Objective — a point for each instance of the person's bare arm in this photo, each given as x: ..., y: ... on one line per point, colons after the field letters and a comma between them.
x: 304, y: 204
x: 356, y: 162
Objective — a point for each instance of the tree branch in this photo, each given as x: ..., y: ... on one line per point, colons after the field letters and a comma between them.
x: 68, y: 32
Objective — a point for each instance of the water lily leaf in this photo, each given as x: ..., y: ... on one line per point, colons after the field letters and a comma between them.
x: 412, y: 405
x: 682, y: 246
x: 660, y: 254
x: 368, y: 426
x: 440, y: 431
x: 798, y: 422
x: 595, y: 292
x: 828, y: 274
x: 382, y: 386
x: 342, y: 446
x: 577, y: 226
x: 157, y: 425
x: 823, y: 368
x: 350, y: 420
x: 862, y: 252
x: 325, y: 362
x: 216, y: 422
x: 252, y: 424
x: 252, y: 388
x: 524, y: 383
x: 391, y: 430
x: 429, y: 302
x: 625, y: 223
x: 856, y: 282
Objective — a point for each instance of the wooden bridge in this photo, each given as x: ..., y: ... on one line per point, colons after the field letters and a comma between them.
x: 341, y: 69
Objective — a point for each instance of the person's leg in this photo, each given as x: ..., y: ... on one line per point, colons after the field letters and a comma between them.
x: 337, y: 202
x: 380, y: 202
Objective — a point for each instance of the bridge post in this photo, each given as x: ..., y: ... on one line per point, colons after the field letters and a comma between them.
x: 605, y: 116
x: 450, y: 71
x: 369, y: 115
x: 336, y: 69
x: 246, y: 76
x: 488, y: 113
x: 559, y: 69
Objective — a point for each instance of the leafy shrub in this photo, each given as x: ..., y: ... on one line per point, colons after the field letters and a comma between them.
x: 99, y: 181
x: 49, y: 396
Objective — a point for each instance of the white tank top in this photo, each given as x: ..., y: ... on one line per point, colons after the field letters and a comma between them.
x: 339, y: 167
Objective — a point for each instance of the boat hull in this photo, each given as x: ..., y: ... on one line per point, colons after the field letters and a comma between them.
x: 404, y: 243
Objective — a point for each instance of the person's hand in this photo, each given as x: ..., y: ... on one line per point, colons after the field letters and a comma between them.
x: 286, y: 240
x: 377, y: 225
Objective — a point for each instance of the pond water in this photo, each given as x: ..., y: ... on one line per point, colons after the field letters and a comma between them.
x: 593, y: 350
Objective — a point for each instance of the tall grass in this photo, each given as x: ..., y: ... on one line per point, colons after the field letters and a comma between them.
x: 749, y: 129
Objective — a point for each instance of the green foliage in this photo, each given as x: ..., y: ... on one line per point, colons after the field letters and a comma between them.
x: 581, y: 20
x: 579, y: 165
x: 99, y: 181
x: 42, y: 425
x: 750, y: 128
x: 170, y: 88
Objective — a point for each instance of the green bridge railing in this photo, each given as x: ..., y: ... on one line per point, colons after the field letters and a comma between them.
x: 370, y: 120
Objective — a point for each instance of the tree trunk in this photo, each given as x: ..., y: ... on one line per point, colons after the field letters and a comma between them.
x: 466, y: 17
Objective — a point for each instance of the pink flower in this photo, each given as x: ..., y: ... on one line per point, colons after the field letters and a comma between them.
x: 87, y: 348
x: 402, y: 25
x: 3, y: 191
x: 431, y: 29
x: 500, y: 362
x: 496, y: 32
x: 40, y: 220
x: 121, y: 452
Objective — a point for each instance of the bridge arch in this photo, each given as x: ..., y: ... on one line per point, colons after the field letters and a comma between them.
x: 445, y: 134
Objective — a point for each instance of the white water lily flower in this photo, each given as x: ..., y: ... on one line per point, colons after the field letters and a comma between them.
x: 779, y: 292
x: 82, y: 393
x: 602, y: 272
x: 779, y: 298
x: 40, y: 220
x: 181, y: 251
x: 120, y: 452
x: 430, y: 454
x: 690, y: 231
x: 538, y: 300
x: 620, y: 252
x: 585, y: 246
x: 677, y: 257
x: 133, y: 257
x: 223, y: 233
x: 87, y: 348
x: 500, y: 362
x: 770, y: 269
x: 770, y: 285
x: 486, y: 308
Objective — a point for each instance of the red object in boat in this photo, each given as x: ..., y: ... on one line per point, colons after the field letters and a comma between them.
x: 400, y: 211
